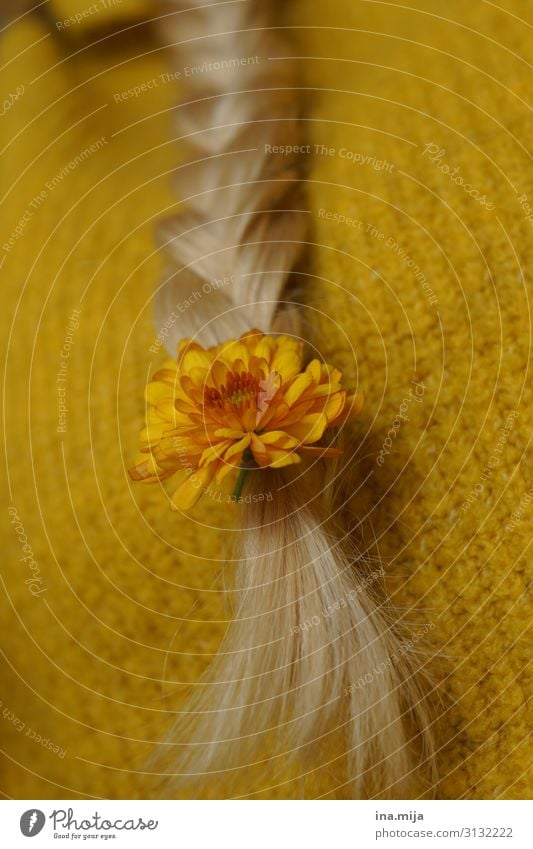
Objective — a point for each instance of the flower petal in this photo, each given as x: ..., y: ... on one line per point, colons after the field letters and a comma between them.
x: 199, y: 375
x: 167, y: 411
x: 249, y: 418
x: 214, y: 452
x: 156, y: 392
x: 226, y: 467
x: 265, y: 348
x: 229, y: 433
x: 147, y: 471
x: 334, y: 406
x: 287, y: 359
x: 310, y: 428
x: 166, y: 375
x: 325, y: 389
x: 258, y: 448
x: 234, y: 350
x: 193, y: 487
x: 218, y: 374
x: 314, y: 369
x: 321, y: 451
x: 276, y: 411
x: 238, y: 447
x: 184, y: 407
x: 278, y: 438
x: 194, y: 358
x: 283, y: 458
x: 153, y: 433
x: 297, y: 387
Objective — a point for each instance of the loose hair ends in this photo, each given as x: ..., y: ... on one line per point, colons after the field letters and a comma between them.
x: 312, y: 677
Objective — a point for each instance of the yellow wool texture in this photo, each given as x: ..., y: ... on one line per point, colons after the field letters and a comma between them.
x: 410, y: 275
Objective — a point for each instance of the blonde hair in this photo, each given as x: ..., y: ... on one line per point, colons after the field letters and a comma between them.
x: 292, y: 682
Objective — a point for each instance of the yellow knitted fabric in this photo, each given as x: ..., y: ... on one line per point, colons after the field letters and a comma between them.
x: 119, y: 603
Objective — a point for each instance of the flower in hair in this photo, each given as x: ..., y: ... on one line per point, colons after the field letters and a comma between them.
x: 246, y: 403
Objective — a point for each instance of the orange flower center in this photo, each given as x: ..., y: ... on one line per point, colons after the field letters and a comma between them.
x: 238, y: 389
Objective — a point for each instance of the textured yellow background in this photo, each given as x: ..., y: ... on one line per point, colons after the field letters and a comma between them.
x: 84, y: 664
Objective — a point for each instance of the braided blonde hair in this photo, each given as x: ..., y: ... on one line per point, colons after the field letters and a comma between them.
x: 282, y: 689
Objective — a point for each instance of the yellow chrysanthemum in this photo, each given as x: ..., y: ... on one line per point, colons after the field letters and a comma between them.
x: 244, y: 404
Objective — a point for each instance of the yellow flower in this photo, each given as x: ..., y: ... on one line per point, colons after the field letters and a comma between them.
x: 247, y: 403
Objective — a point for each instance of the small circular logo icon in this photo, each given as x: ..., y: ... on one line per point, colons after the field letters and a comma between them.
x: 32, y: 822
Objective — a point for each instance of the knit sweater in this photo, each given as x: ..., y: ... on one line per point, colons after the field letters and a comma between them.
x: 420, y: 215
